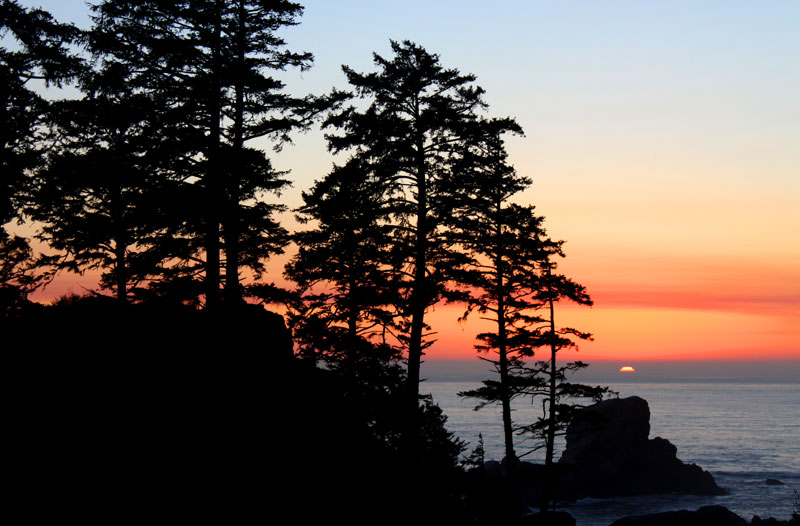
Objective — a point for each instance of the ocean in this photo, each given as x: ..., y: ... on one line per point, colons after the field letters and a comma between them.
x: 740, y: 422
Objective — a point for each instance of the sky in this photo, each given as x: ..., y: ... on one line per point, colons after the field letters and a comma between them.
x: 662, y: 138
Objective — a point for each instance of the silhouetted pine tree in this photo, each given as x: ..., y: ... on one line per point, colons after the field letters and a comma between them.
x: 417, y: 117
x: 504, y: 280
x: 477, y: 457
x: 38, y: 50
x: 209, y: 61
x: 503, y: 242
x: 17, y: 278
x: 516, y: 288
x: 257, y: 107
x: 341, y: 268
x: 344, y: 318
x: 97, y: 199
x: 548, y: 379
x: 511, y: 276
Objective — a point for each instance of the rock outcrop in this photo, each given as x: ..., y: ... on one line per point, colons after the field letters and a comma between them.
x: 278, y: 337
x: 609, y: 454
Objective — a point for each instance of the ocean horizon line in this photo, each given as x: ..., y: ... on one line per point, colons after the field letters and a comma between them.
x: 662, y: 371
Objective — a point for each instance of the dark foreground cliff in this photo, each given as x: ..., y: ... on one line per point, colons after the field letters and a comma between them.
x: 166, y: 413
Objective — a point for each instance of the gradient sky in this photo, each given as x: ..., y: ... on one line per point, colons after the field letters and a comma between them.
x: 663, y: 139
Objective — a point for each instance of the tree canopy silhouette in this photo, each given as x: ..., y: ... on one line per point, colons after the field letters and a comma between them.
x: 518, y: 289
x: 209, y: 61
x: 39, y: 51
x: 548, y: 379
x: 97, y: 197
x: 416, y: 117
x: 502, y: 240
x: 342, y: 266
x: 42, y: 54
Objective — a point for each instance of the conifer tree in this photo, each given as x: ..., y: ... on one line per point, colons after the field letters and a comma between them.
x: 514, y: 286
x: 417, y: 117
x: 502, y: 240
x: 209, y: 61
x: 97, y: 195
x: 38, y: 51
x: 506, y: 248
x: 517, y: 289
x: 341, y: 268
x: 17, y: 278
x: 548, y: 379
x: 258, y: 106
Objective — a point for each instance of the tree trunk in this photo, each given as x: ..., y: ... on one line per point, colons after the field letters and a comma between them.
x: 121, y: 271
x: 505, y: 395
x: 213, y: 175
x: 418, y: 289
x: 548, y: 493
x: 120, y: 244
x: 352, y: 311
x: 231, y: 233
x: 508, y: 432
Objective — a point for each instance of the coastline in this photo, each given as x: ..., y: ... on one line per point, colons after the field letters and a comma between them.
x: 721, y: 426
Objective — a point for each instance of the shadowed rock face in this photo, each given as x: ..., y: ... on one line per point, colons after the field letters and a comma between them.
x: 610, y: 427
x: 278, y: 338
x: 155, y: 407
x: 609, y: 454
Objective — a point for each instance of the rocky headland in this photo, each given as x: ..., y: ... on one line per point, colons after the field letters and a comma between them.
x: 608, y: 454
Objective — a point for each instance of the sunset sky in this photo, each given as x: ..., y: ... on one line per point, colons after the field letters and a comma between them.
x: 663, y: 139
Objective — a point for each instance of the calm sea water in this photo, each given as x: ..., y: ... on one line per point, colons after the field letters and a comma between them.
x: 743, y: 430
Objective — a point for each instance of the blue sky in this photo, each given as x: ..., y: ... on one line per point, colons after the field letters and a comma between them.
x: 663, y: 139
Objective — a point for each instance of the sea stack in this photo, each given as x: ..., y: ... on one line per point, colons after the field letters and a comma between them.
x: 609, y: 454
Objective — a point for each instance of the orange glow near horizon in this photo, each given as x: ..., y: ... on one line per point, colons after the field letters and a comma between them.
x: 628, y: 324
x: 627, y: 369
x: 665, y: 286
x: 628, y: 333
x: 675, y: 187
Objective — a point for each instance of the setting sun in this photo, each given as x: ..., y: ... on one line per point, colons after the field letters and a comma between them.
x: 627, y: 369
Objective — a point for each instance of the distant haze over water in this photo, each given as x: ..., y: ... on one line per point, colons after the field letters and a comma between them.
x: 646, y: 371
